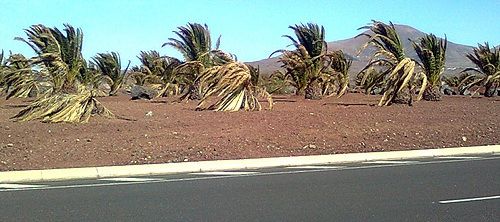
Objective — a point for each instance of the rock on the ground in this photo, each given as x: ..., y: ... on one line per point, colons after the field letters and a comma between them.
x: 447, y: 90
x: 141, y: 92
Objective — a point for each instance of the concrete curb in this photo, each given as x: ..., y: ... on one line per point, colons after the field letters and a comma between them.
x: 219, y: 165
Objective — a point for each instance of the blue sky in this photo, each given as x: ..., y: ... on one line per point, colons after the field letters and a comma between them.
x: 250, y: 29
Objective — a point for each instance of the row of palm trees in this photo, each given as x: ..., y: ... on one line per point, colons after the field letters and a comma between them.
x: 67, y: 86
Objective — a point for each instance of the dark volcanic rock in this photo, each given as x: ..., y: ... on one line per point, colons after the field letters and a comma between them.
x: 141, y: 92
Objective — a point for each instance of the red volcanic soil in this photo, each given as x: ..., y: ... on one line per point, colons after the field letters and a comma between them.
x: 176, y: 132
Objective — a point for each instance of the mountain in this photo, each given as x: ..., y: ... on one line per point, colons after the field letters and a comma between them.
x: 455, y: 53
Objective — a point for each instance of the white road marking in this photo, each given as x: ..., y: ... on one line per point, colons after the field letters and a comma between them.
x: 222, y: 173
x: 390, y: 162
x: 129, y: 179
x: 19, y: 186
x: 75, y: 186
x: 469, y: 199
x: 457, y: 157
x: 314, y: 167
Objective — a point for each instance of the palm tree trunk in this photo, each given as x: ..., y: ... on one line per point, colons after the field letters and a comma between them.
x: 432, y: 94
x: 313, y: 91
x: 490, y: 89
x: 403, y: 97
x: 194, y: 91
x: 69, y: 88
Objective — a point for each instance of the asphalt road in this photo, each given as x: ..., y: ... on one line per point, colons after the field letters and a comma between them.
x: 452, y: 189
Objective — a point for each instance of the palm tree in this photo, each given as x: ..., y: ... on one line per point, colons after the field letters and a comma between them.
x: 487, y: 61
x: 371, y: 80
x: 305, y: 65
x: 161, y: 71
x: 195, y: 45
x: 59, y: 54
x: 398, y: 69
x: 431, y: 52
x: 109, y: 64
x: 340, y: 65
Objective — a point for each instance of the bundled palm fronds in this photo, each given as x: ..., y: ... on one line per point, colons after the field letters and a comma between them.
x: 62, y: 107
x: 232, y: 85
x: 398, y: 80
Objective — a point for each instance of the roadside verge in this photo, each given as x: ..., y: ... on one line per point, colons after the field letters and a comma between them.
x: 221, y: 165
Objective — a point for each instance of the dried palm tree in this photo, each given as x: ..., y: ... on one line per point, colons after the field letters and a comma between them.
x: 233, y: 86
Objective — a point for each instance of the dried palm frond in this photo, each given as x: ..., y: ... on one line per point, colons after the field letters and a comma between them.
x: 19, y: 79
x: 399, y: 79
x: 71, y: 108
x: 232, y: 85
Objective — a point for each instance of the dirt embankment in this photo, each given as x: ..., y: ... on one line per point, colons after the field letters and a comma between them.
x: 175, y: 132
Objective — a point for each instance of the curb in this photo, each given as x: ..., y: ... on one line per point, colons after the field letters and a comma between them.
x: 220, y: 165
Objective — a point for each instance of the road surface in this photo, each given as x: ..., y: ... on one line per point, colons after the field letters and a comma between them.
x: 438, y: 189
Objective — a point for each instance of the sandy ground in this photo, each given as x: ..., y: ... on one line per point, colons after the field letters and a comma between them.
x: 176, y: 132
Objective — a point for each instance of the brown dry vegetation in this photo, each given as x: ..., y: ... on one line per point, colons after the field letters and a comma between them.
x: 175, y: 132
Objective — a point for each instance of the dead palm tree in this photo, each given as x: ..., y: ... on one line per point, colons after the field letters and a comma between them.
x: 109, y: 65
x: 59, y: 54
x: 487, y: 61
x: 398, y: 74
x: 431, y: 52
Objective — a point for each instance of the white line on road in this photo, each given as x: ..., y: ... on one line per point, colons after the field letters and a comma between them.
x: 457, y: 157
x: 232, y: 176
x: 314, y: 167
x: 390, y: 162
x: 224, y: 173
x: 129, y: 179
x: 469, y: 199
x: 18, y: 186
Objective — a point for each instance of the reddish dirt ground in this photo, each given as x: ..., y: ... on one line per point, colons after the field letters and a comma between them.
x: 175, y: 132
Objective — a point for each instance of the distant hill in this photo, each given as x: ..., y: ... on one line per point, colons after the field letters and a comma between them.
x: 455, y: 53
